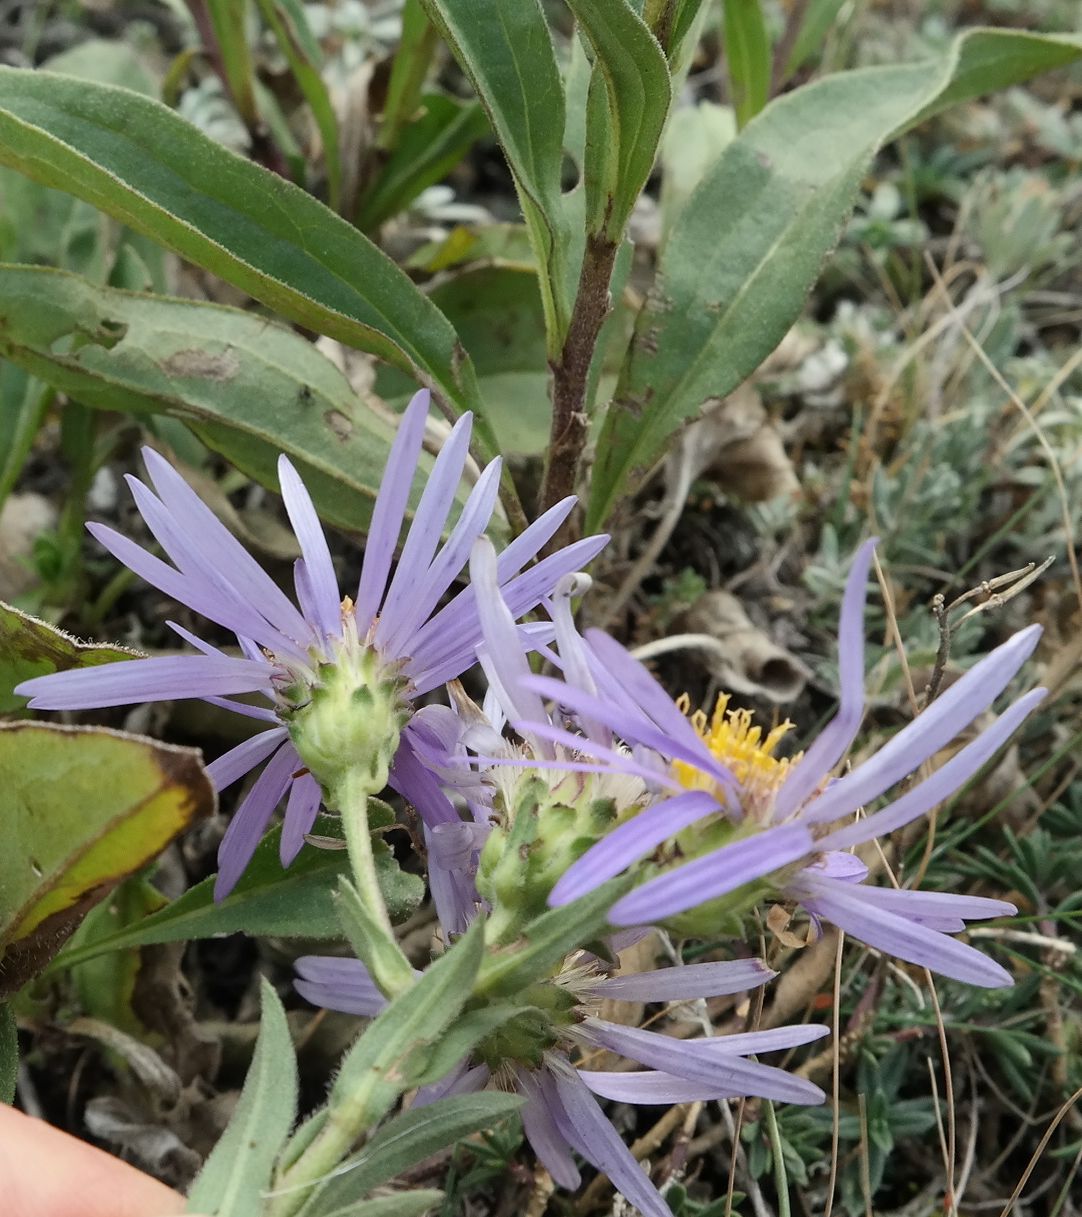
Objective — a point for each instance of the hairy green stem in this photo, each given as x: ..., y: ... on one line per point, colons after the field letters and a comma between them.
x: 352, y: 804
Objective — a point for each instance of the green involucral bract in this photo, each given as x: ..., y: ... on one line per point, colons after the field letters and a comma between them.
x: 347, y: 719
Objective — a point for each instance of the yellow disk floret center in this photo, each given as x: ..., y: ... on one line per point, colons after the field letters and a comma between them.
x: 738, y: 743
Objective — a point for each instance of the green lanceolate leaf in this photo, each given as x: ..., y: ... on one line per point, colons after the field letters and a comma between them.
x: 80, y: 809
x: 9, y: 1053
x: 427, y: 150
x: 635, y: 76
x: 750, y: 241
x: 297, y: 902
x: 29, y: 647
x: 387, y: 966
x: 143, y: 164
x: 238, y: 1171
x: 248, y: 387
x: 747, y: 55
x: 289, y: 23
x: 406, y: 1141
x: 505, y: 48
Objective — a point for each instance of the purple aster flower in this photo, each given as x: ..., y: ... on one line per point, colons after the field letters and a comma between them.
x: 540, y: 1059
x: 771, y: 820
x: 561, y: 1113
x: 392, y: 635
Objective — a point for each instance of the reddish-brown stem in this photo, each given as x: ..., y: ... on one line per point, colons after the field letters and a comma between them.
x: 571, y: 372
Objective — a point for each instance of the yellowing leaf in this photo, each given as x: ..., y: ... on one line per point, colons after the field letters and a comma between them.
x: 80, y: 809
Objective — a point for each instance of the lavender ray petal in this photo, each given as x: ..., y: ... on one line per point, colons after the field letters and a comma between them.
x: 222, y: 550
x: 440, y: 724
x: 834, y: 740
x: 264, y: 713
x: 305, y: 797
x: 596, y: 1139
x: 197, y: 595
x: 687, y: 982
x: 234, y: 764
x: 505, y: 655
x: 620, y: 940
x: 453, y: 845
x: 251, y: 819
x: 646, y: 693
x: 525, y: 592
x: 418, y: 786
x: 453, y: 894
x: 314, y: 548
x: 629, y: 842
x: 541, y: 1131
x: 201, y: 575
x: 650, y: 1086
x: 390, y: 509
x: 931, y: 730
x: 859, y: 913
x: 906, y: 902
x: 685, y: 1059
x: 575, y: 666
x: 453, y: 663
x: 194, y: 640
x: 456, y: 627
x: 713, y: 875
x: 161, y: 678
x: 943, y: 783
x: 837, y: 865
x: 628, y: 725
x: 774, y: 1040
x: 427, y: 528
x: 530, y: 542
x: 338, y: 984
x: 306, y: 595
x: 449, y: 561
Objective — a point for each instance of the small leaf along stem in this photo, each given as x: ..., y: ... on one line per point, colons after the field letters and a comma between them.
x: 570, y: 373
